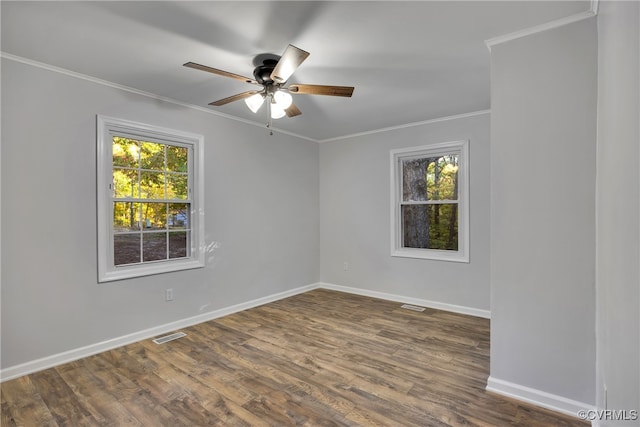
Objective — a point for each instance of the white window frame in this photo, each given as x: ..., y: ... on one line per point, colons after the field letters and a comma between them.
x: 107, y: 127
x: 433, y: 150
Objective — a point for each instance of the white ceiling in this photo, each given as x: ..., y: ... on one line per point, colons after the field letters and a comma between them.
x: 409, y: 61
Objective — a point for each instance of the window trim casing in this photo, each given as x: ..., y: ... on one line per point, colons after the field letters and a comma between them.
x: 396, y: 156
x: 106, y: 127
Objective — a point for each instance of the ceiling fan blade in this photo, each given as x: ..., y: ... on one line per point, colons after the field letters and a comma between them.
x: 220, y: 72
x: 292, y: 111
x: 288, y: 63
x: 232, y: 98
x: 346, y: 91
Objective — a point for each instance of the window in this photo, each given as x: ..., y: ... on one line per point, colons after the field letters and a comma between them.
x: 150, y: 197
x: 430, y: 202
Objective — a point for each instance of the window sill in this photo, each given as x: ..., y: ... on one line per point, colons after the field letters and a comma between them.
x: 132, y: 271
x: 432, y: 254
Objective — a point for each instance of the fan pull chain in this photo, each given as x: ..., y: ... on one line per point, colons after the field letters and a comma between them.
x: 270, y: 121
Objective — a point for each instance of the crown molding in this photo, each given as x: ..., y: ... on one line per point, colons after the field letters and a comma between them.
x: 409, y: 125
x: 593, y: 11
x: 129, y: 89
x: 107, y: 83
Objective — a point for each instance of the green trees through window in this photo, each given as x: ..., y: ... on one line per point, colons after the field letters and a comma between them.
x: 429, y: 202
x: 151, y: 204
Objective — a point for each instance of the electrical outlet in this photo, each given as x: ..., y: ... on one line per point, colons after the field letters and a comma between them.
x: 345, y: 266
x: 168, y: 295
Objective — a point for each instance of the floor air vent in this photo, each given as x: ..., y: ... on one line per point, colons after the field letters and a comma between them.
x: 168, y: 338
x: 413, y: 307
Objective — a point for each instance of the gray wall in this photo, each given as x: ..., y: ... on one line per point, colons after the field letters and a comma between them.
x: 355, y: 223
x: 543, y: 126
x: 618, y: 213
x: 261, y: 217
x: 269, y: 199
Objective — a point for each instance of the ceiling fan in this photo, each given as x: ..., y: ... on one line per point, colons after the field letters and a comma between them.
x: 272, y: 75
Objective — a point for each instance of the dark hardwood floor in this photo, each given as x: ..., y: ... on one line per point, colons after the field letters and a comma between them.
x: 322, y: 358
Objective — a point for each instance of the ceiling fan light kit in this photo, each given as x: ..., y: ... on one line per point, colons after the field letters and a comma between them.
x: 283, y: 99
x: 272, y: 75
x: 277, y: 112
x: 254, y: 102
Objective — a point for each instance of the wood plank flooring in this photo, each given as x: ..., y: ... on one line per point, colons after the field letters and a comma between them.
x: 322, y: 358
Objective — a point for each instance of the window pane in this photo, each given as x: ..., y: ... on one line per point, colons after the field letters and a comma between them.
x: 179, y: 215
x: 430, y: 178
x: 442, y: 178
x: 126, y: 216
x: 152, y: 185
x: 152, y: 156
x: 154, y: 216
x: 176, y: 186
x: 430, y: 226
x: 414, y: 179
x: 178, y: 246
x: 177, y: 158
x: 125, y: 152
x: 154, y: 246
x: 126, y: 249
x: 125, y: 183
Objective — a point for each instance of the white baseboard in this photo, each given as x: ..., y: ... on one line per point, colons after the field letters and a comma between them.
x: 79, y: 353
x: 409, y: 300
x: 89, y: 350
x: 537, y: 397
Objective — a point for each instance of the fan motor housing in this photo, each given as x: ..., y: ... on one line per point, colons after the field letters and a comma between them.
x: 262, y: 73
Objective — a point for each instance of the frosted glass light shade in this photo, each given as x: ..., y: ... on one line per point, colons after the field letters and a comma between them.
x: 254, y: 102
x: 283, y: 99
x: 277, y: 111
